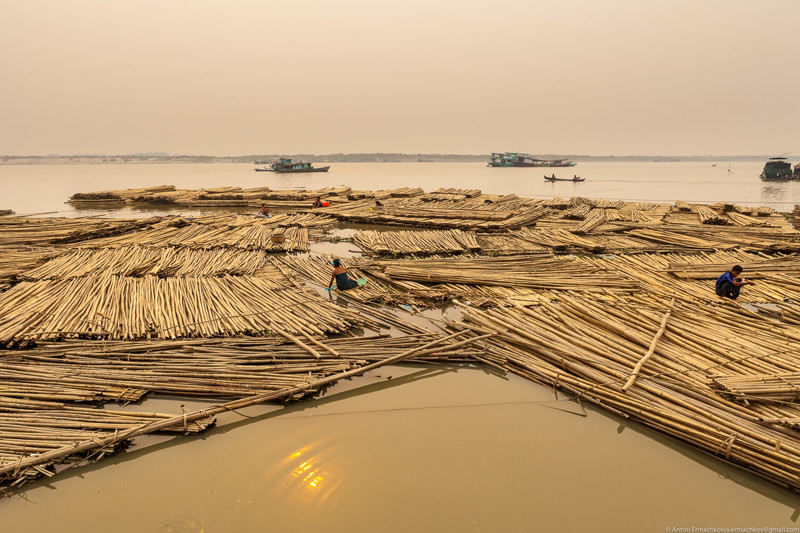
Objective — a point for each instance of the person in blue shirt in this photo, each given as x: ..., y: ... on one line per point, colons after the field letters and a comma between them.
x: 730, y: 284
x: 343, y: 283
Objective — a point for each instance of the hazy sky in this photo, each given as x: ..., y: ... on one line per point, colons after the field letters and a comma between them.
x: 600, y: 77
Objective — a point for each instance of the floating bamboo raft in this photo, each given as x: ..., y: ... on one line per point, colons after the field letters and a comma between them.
x: 656, y: 363
x: 416, y: 242
x: 252, y: 236
x: 114, y: 307
x: 137, y: 261
x: 211, y: 197
x: 549, y: 273
x: 39, y: 434
x: 44, y: 231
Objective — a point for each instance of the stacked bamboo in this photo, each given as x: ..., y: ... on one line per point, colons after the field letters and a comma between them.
x: 205, y: 236
x: 483, y: 213
x: 652, y: 273
x: 549, y: 273
x: 600, y: 353
x: 711, y: 266
x: 19, y: 231
x: 744, y: 220
x: 17, y: 260
x: 416, y: 242
x: 120, y: 195
x: 779, y: 387
x: 595, y: 218
x: 709, y: 216
x: 140, y: 261
x: 114, y: 307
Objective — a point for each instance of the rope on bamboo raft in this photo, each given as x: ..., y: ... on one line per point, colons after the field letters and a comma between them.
x: 650, y: 351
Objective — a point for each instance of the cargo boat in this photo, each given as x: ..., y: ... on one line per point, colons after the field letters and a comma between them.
x: 516, y: 159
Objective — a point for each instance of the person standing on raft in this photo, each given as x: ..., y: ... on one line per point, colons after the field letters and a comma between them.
x: 343, y: 283
x: 730, y: 284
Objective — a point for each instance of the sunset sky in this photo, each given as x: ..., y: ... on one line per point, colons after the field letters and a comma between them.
x: 198, y: 77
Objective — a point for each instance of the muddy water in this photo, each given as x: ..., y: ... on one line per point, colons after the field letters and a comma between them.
x: 45, y: 188
x: 406, y: 448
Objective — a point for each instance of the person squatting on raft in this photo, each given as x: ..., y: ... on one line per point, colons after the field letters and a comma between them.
x: 343, y: 283
x: 264, y: 212
x: 730, y: 284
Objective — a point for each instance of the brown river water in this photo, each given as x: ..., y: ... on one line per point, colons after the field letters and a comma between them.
x: 444, y: 448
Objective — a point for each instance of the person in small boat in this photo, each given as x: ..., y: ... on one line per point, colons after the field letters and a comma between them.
x: 317, y: 203
x: 343, y: 283
x: 554, y: 176
x: 729, y: 285
x: 265, y: 211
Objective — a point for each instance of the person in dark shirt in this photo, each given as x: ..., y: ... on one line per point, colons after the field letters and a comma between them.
x: 317, y: 203
x: 730, y: 284
x: 343, y: 283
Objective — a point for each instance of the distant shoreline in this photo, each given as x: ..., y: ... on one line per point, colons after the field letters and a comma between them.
x: 340, y: 158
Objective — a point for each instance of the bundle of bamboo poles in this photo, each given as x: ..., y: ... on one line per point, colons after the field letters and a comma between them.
x: 17, y: 260
x: 141, y: 261
x: 709, y: 216
x: 507, y: 243
x: 16, y: 467
x: 651, y: 272
x: 114, y: 307
x: 607, y: 204
x: 595, y: 218
x: 577, y: 213
x: 600, y: 353
x: 711, y: 266
x: 783, y: 387
x: 744, y: 220
x: 512, y: 271
x: 43, y: 231
x: 416, y: 242
x: 696, y: 237
x: 466, y: 193
x: 482, y: 213
x: 250, y: 237
x: 122, y: 194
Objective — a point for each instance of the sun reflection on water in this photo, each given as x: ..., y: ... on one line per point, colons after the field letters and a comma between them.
x: 307, y: 473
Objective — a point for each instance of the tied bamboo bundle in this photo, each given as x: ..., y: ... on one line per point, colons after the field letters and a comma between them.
x: 46, y: 231
x: 709, y: 216
x: 416, y: 242
x: 744, y: 220
x: 140, y: 261
x: 783, y: 387
x: 115, y: 307
x: 513, y: 271
x: 15, y: 470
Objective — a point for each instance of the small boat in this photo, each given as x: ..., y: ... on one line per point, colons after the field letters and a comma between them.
x: 265, y: 169
x: 287, y: 165
x: 778, y: 169
x: 553, y: 178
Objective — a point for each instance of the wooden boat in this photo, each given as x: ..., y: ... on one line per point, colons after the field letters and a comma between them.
x: 287, y: 165
x: 778, y: 169
x: 553, y: 178
x: 265, y: 169
x: 516, y: 159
